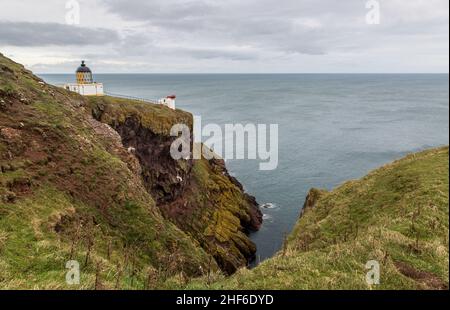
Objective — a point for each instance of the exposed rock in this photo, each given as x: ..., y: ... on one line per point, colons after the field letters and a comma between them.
x: 198, y: 195
x: 256, y: 216
x: 313, y: 196
x: 9, y: 197
x: 10, y: 133
x: 118, y: 165
x: 3, y: 105
x: 159, y: 170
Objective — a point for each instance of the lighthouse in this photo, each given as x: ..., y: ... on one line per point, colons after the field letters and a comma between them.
x: 168, y: 101
x: 85, y: 84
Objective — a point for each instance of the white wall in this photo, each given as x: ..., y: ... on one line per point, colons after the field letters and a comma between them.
x: 168, y: 102
x: 95, y: 89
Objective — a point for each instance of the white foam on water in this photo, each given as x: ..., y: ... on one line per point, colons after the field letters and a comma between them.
x: 267, y: 217
x: 269, y: 205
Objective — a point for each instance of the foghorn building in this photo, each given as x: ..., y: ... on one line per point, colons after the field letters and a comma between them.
x: 85, y: 84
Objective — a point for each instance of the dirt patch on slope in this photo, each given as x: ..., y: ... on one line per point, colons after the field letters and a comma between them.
x: 425, y: 278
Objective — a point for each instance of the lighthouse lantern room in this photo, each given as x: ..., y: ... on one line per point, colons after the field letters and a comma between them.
x: 85, y: 84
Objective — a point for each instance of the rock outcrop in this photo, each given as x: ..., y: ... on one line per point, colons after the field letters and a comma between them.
x: 199, y: 196
x: 312, y: 198
x: 109, y: 154
x: 101, y: 190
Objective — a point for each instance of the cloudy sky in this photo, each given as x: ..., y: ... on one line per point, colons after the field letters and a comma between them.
x: 227, y: 36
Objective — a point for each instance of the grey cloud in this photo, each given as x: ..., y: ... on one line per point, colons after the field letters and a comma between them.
x: 159, y: 9
x: 280, y: 35
x: 47, y: 34
x: 218, y: 53
x: 222, y: 23
x: 274, y: 25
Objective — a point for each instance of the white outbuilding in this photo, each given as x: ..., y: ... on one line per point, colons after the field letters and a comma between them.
x: 168, y: 101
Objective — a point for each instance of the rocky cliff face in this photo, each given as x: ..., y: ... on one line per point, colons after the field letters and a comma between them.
x: 104, y: 191
x: 197, y: 195
x: 70, y: 190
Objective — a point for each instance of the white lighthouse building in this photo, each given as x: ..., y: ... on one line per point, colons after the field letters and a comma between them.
x: 168, y: 101
x: 85, y: 84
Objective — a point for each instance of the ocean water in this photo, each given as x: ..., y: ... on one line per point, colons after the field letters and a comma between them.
x: 332, y: 128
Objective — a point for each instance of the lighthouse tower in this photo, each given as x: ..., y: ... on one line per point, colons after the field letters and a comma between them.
x: 85, y: 84
x: 84, y: 74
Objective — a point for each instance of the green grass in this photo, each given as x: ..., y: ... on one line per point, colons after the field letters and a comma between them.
x: 157, y: 118
x: 33, y: 256
x: 80, y: 194
x: 396, y: 215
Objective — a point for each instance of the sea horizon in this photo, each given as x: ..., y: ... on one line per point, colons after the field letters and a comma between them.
x: 254, y: 73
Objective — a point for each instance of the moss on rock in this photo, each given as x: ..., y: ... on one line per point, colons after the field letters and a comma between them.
x: 198, y: 195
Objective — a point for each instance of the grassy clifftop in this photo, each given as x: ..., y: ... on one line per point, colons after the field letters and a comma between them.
x: 398, y: 215
x: 92, y: 180
x: 69, y: 190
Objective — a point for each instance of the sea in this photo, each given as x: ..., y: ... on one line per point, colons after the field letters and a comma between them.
x: 331, y: 127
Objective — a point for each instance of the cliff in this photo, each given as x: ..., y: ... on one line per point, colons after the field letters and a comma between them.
x: 199, y: 196
x: 397, y: 215
x: 71, y: 189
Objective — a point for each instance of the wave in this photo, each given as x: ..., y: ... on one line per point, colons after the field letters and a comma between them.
x: 269, y: 205
x: 267, y: 217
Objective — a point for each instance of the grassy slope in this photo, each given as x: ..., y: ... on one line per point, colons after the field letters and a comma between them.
x: 397, y: 215
x: 64, y: 188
